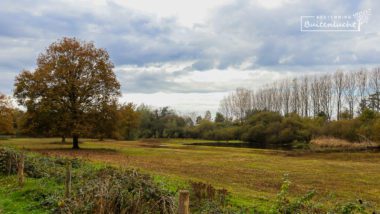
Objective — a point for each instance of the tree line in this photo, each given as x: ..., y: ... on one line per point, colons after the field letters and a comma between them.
x: 339, y: 94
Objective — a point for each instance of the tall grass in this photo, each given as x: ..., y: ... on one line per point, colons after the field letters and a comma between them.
x: 339, y: 144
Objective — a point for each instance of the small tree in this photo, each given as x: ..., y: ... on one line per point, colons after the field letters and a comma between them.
x: 219, y: 118
x: 73, y: 79
x: 207, y: 115
x: 129, y: 120
x: 6, y: 115
x: 198, y: 120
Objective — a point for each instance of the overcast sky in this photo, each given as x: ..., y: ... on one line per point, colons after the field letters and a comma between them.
x: 189, y: 54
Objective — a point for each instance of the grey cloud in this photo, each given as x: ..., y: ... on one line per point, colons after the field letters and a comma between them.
x: 277, y: 33
x: 237, y: 34
x: 27, y: 27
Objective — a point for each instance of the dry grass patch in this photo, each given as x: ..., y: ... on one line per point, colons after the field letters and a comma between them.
x: 334, y: 143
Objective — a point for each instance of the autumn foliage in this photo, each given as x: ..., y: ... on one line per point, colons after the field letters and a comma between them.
x: 6, y: 115
x: 73, y: 83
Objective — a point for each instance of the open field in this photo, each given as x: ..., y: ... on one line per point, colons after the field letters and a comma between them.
x: 253, y: 176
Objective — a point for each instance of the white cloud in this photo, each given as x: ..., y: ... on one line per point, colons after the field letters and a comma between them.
x: 188, y: 13
x: 183, y: 102
x: 286, y: 59
x: 273, y: 4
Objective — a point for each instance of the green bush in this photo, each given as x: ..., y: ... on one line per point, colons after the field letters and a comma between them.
x: 363, y: 128
x: 35, y: 166
x: 110, y: 190
x: 343, y: 129
x: 226, y: 133
x: 8, y: 160
x: 272, y: 128
x: 376, y: 130
x: 285, y: 205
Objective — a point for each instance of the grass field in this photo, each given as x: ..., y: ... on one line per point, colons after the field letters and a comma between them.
x: 14, y: 199
x: 253, y: 176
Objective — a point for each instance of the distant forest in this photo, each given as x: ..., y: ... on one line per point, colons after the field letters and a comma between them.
x: 343, y: 105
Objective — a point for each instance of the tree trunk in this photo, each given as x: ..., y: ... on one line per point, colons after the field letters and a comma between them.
x: 63, y: 139
x: 75, y: 142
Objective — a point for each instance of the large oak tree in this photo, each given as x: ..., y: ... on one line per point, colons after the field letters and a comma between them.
x: 73, y: 79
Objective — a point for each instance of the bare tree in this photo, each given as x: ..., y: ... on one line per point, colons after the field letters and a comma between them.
x: 286, y: 96
x: 361, y: 82
x: 225, y: 107
x: 307, y: 95
x: 295, y: 96
x: 208, y: 115
x: 350, y: 91
x: 241, y: 101
x: 374, y: 87
x: 326, y: 94
x: 275, y: 93
x: 375, y: 80
x: 338, y: 79
x: 193, y: 116
x: 304, y: 96
x: 315, y: 96
x: 237, y: 104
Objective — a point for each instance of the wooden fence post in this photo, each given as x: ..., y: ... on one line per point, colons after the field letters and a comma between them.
x: 20, y: 170
x: 10, y: 165
x: 68, y: 180
x: 184, y: 202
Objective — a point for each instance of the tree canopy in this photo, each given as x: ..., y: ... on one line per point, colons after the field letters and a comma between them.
x: 72, y: 81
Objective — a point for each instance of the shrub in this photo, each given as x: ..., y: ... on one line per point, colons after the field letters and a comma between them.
x: 118, y: 191
x: 272, y: 128
x: 350, y: 207
x: 226, y: 134
x: 375, y: 130
x: 285, y: 205
x: 35, y: 166
x: 343, y: 129
x: 207, y: 199
x: 8, y: 160
x: 363, y: 128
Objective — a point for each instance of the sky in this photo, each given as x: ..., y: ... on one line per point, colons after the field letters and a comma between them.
x: 189, y: 54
